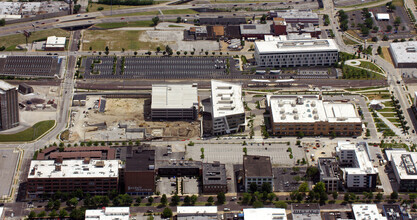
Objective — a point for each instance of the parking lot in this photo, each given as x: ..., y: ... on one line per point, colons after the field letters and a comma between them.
x: 287, y: 179
x: 159, y: 67
x: 166, y: 185
x: 8, y: 162
x: 39, y: 66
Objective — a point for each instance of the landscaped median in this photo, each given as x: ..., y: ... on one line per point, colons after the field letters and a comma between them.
x: 30, y: 134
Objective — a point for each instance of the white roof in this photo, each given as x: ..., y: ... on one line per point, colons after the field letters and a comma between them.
x: 404, y: 52
x: 309, y: 109
x: 178, y: 96
x: 53, y: 41
x: 108, y: 213
x: 366, y: 212
x: 226, y: 98
x: 196, y: 209
x: 374, y: 102
x: 74, y: 169
x: 265, y: 214
x: 405, y: 164
x: 6, y: 86
x: 282, y: 45
x: 363, y: 164
x: 1, y: 211
x: 382, y: 16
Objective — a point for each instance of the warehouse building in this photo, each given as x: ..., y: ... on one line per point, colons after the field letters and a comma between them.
x: 382, y: 17
x: 296, y: 16
x: 284, y: 52
x: 257, y: 169
x: 96, y: 177
x: 309, y: 115
x: 358, y: 173
x: 405, y: 169
x: 329, y: 173
x: 228, y: 113
x: 54, y: 43
x: 139, y: 172
x: 404, y: 54
x: 9, y: 110
x: 176, y: 101
x: 214, y: 178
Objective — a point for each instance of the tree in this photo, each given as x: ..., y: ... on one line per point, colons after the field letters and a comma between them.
x: 303, y: 187
x: 379, y: 196
x: 2, y: 22
x: 193, y: 199
x: 155, y: 20
x: 187, y: 200
x: 389, y: 28
x: 257, y: 204
x: 385, y: 38
x: 53, y: 214
x: 412, y: 196
x: 253, y: 187
x: 281, y: 204
x: 210, y: 200
x: 178, y: 53
x: 175, y: 200
x: 221, y: 198
x: 379, y: 50
x: 397, y: 21
x: 167, y: 213
x: 139, y: 200
x: 164, y: 200
x: 150, y: 200
x: 72, y: 202
x: 77, y: 214
x: 168, y: 50
x: 312, y: 172
x: 158, y: 49
x: 91, y: 48
x: 63, y: 213
x: 179, y: 19
x: 32, y: 214
x: 42, y: 214
x: 394, y: 195
x: 50, y: 205
x: 266, y: 187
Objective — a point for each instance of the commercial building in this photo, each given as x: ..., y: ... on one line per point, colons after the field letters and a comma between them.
x: 25, y: 88
x: 94, y: 152
x: 285, y: 52
x: 215, y: 32
x: 296, y: 16
x: 228, y: 113
x: 382, y: 16
x: 310, y: 211
x: 255, y: 31
x: 366, y: 212
x: 294, y: 28
x: 359, y: 172
x: 214, y: 178
x: 309, y: 115
x: 405, y: 169
x: 9, y: 108
x: 54, y: 43
x: 178, y: 168
x: 257, y: 169
x: 329, y: 173
x: 108, y: 213
x: 96, y: 177
x: 79, y: 100
x: 139, y: 173
x: 404, y: 54
x: 223, y: 21
x: 176, y: 101
x: 395, y: 212
x: 279, y: 26
x: 196, y: 212
x: 265, y: 214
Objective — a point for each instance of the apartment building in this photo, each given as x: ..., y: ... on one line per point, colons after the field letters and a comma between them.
x: 9, y: 106
x: 329, y: 173
x: 405, y: 169
x: 257, y: 169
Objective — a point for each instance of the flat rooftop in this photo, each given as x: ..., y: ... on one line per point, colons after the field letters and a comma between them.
x: 140, y: 160
x: 292, y: 14
x: 226, y: 98
x: 178, y: 164
x: 328, y: 167
x: 264, y: 214
x: 196, y: 210
x: 53, y: 41
x: 6, y: 86
x: 404, y: 52
x: 108, y: 213
x: 296, y: 46
x: 255, y: 166
x: 310, y: 211
x: 255, y: 28
x: 73, y: 169
x: 363, y: 164
x: 174, y: 96
x: 366, y: 212
x: 405, y: 164
x: 214, y: 173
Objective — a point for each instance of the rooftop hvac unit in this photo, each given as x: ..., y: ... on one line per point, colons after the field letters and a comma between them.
x: 282, y: 111
x: 293, y: 104
x: 283, y: 117
x: 296, y: 117
x: 315, y: 111
x: 295, y: 110
x: 313, y: 104
x: 316, y: 117
x: 280, y: 103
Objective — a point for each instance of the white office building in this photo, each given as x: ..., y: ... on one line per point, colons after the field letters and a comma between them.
x: 404, y: 165
x: 196, y: 212
x: 359, y: 172
x: 367, y: 212
x: 284, y: 52
x: 228, y: 112
x: 55, y: 43
x: 404, y: 54
x: 108, y: 213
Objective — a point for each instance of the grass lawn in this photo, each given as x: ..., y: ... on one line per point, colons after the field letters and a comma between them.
x: 174, y: 26
x: 394, y: 120
x: 389, y: 114
x: 386, y: 55
x: 99, y: 39
x: 366, y: 88
x: 363, y: 4
x: 128, y: 24
x: 11, y: 41
x: 92, y: 7
x: 349, y: 41
x: 370, y: 66
x: 387, y: 110
x: 29, y: 134
x: 388, y: 104
x: 165, y: 12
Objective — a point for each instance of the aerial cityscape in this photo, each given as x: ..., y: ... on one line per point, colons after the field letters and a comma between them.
x: 208, y: 109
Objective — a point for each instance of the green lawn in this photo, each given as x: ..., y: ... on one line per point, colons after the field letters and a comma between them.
x: 165, y: 12
x: 125, y: 24
x: 11, y: 41
x: 29, y: 134
x: 394, y: 120
x: 366, y: 88
x: 387, y: 110
x: 174, y: 26
x: 92, y: 7
x: 388, y: 104
x: 389, y: 114
x: 349, y: 41
x: 371, y: 66
x: 361, y: 5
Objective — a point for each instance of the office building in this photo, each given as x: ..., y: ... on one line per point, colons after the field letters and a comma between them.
x: 264, y: 214
x: 279, y: 26
x: 54, y: 43
x: 178, y: 168
x: 366, y: 212
x: 296, y: 16
x: 228, y: 112
x: 404, y: 54
x: 310, y: 211
x: 214, y: 178
x: 108, y: 213
x: 358, y: 172
x: 329, y: 173
x: 309, y: 115
x: 196, y: 212
x: 96, y: 177
x: 139, y: 173
x: 283, y: 52
x: 176, y: 101
x: 257, y: 169
x: 405, y: 169
x: 9, y: 108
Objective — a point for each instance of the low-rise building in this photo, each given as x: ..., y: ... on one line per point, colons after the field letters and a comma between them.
x: 405, y: 169
x: 311, y: 116
x: 228, y: 112
x: 264, y: 214
x: 310, y: 211
x: 329, y: 173
x: 376, y: 105
x: 108, y: 213
x: 296, y: 16
x: 54, y: 43
x: 366, y: 212
x: 382, y: 16
x: 178, y: 168
x: 25, y: 88
x: 395, y: 212
x: 358, y: 172
x: 176, y: 101
x: 258, y: 170
x: 214, y: 178
x: 403, y: 54
x: 223, y: 21
x: 196, y: 212
x: 255, y: 31
x: 139, y: 172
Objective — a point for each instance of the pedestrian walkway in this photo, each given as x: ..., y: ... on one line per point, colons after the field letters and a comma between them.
x: 396, y: 130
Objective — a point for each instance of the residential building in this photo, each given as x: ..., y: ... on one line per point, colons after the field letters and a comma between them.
x: 405, y: 169
x: 311, y: 116
x: 25, y: 88
x: 196, y: 212
x: 296, y: 16
x: 9, y: 106
x: 54, y: 43
x: 329, y: 173
x: 366, y: 212
x: 404, y: 54
x: 108, y: 213
x: 283, y: 52
x: 139, y: 172
x: 175, y: 101
x: 96, y: 177
x: 264, y: 214
x: 228, y: 113
x: 304, y: 211
x: 178, y: 168
x: 255, y: 31
x: 214, y: 178
x: 257, y: 169
x: 358, y: 172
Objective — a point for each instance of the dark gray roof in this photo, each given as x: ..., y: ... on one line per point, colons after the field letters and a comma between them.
x: 79, y: 97
x: 223, y: 21
x: 257, y: 166
x: 214, y: 173
x: 140, y: 160
x: 328, y: 167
